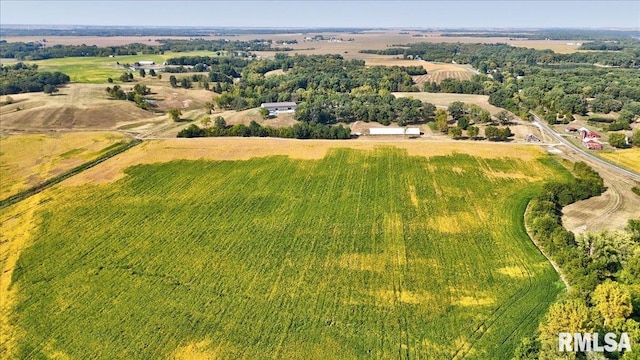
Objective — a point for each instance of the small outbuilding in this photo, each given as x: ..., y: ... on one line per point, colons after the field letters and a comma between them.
x: 592, y: 145
x: 532, y: 138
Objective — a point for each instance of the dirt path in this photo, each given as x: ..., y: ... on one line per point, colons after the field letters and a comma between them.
x: 609, y: 211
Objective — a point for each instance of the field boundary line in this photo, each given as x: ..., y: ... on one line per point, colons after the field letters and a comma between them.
x: 67, y: 174
x: 544, y: 253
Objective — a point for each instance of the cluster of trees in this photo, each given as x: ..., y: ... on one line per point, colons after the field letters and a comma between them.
x: 137, y: 94
x: 297, y: 131
x: 328, y: 88
x: 619, y: 140
x: 602, y: 268
x: 362, y: 104
x: 21, y: 78
x: 523, y: 80
x: 466, y: 114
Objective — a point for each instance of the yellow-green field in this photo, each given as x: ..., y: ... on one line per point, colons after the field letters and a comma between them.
x: 629, y: 158
x: 359, y: 253
x: 28, y: 160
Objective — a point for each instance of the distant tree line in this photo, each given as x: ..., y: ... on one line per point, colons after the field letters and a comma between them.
x: 487, y: 56
x: 41, y: 50
x: 550, y: 34
x: 298, y: 131
x: 21, y: 78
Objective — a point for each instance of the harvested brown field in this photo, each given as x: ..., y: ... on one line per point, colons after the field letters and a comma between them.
x: 438, y: 76
x: 609, y: 211
x: 165, y: 150
x: 429, y: 66
x: 86, y: 106
x: 444, y: 100
x: 436, y: 71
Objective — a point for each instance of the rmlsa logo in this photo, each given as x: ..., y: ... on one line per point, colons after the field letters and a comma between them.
x: 584, y: 342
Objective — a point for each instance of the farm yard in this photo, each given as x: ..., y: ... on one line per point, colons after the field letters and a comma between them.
x: 357, y: 252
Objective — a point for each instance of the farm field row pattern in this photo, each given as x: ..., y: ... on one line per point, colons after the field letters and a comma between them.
x: 360, y: 254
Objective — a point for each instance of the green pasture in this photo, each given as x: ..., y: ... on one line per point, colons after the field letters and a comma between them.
x: 98, y: 69
x: 363, y: 254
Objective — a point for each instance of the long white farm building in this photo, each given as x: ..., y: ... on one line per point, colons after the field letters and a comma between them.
x: 278, y: 107
x: 413, y: 131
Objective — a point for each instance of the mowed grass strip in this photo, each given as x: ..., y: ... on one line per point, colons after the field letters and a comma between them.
x: 360, y: 254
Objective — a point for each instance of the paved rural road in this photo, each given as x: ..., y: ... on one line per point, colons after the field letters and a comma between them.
x: 582, y: 152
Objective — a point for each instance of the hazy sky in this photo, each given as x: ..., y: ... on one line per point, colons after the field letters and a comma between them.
x: 292, y: 13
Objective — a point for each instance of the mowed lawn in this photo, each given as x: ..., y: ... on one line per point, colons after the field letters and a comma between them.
x: 362, y: 254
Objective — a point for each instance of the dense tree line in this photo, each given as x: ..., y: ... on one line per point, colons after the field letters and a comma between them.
x: 603, y: 269
x: 298, y: 131
x: 40, y: 51
x: 21, y: 78
x: 490, y: 56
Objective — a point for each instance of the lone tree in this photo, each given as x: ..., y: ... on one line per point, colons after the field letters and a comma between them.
x: 618, y: 140
x: 143, y: 73
x: 50, y: 89
x: 473, y: 131
x: 456, y: 109
x: 175, y: 114
x: 504, y: 117
x: 152, y: 72
x: 455, y: 132
x: 264, y: 112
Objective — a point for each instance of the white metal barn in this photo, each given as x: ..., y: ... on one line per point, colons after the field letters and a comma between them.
x: 413, y: 131
x: 279, y: 107
x: 395, y: 131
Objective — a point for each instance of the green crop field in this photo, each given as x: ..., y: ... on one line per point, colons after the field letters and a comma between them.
x: 362, y: 254
x: 97, y: 69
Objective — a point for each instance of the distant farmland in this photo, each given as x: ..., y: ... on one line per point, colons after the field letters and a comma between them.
x: 361, y: 253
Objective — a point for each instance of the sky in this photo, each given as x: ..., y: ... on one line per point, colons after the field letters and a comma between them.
x: 346, y: 13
